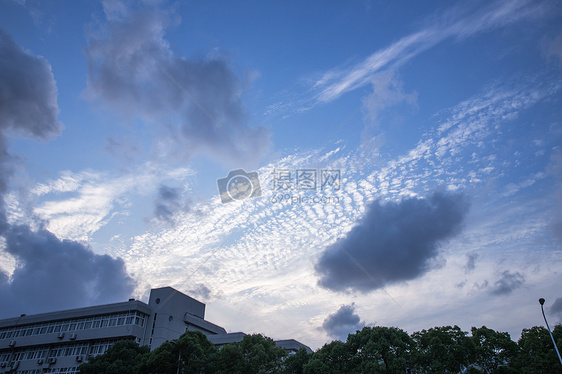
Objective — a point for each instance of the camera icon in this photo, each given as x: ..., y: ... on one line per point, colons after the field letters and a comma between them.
x: 239, y: 185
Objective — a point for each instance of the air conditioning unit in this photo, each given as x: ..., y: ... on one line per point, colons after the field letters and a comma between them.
x: 12, y: 343
x: 40, y: 361
x: 52, y: 360
x: 61, y: 335
x: 79, y: 358
x: 73, y: 336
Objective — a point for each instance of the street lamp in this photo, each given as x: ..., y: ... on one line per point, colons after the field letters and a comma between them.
x: 541, y: 301
x: 179, y: 355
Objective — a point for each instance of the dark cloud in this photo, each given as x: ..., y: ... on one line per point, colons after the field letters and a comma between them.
x: 507, y: 283
x: 56, y: 274
x: 28, y: 102
x: 201, y: 291
x: 28, y: 93
x: 50, y: 273
x: 343, y: 322
x: 168, y: 202
x: 470, y: 262
x: 481, y: 286
x: 393, y: 242
x: 556, y: 308
x: 133, y: 71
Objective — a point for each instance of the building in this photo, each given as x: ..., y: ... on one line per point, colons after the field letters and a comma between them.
x: 58, y: 342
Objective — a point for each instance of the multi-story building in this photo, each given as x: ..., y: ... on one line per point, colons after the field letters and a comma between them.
x: 59, y: 342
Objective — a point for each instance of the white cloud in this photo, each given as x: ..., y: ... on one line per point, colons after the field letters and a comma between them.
x: 453, y: 24
x: 92, y: 199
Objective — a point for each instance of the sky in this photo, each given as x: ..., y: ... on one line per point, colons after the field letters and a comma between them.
x: 305, y: 169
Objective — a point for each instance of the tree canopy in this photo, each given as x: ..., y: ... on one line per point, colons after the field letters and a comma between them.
x: 377, y: 349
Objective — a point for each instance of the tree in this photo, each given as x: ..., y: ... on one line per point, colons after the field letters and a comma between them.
x: 443, y: 350
x: 537, y: 354
x: 493, y: 350
x: 381, y: 350
x: 294, y: 363
x: 334, y: 357
x: 163, y: 360
x: 124, y: 357
x: 255, y: 354
x: 197, y: 352
x: 194, y: 349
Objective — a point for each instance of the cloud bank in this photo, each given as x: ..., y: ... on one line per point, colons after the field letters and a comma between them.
x: 196, y: 102
x: 54, y: 274
x: 393, y: 242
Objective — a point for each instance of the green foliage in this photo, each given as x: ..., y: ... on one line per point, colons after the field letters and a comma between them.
x: 443, y: 350
x: 334, y: 357
x: 494, y: 351
x: 381, y: 350
x: 254, y: 354
x: 372, y: 350
x: 537, y: 354
x: 122, y: 358
x: 294, y: 364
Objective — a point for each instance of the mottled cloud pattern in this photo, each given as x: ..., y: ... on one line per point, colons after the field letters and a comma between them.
x: 50, y: 273
x: 343, y: 322
x: 393, y: 242
x: 197, y: 103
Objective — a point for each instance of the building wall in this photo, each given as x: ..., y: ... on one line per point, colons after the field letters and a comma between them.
x: 61, y: 341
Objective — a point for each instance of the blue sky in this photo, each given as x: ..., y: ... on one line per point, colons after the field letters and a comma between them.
x: 439, y: 121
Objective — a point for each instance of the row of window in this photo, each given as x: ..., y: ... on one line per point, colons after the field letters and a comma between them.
x: 62, y: 350
x: 107, y: 320
x: 72, y: 370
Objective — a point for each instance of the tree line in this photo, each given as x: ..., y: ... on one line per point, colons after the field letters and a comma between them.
x: 372, y: 350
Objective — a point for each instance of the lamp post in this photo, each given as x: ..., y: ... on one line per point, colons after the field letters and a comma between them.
x: 179, y: 355
x: 541, y: 301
